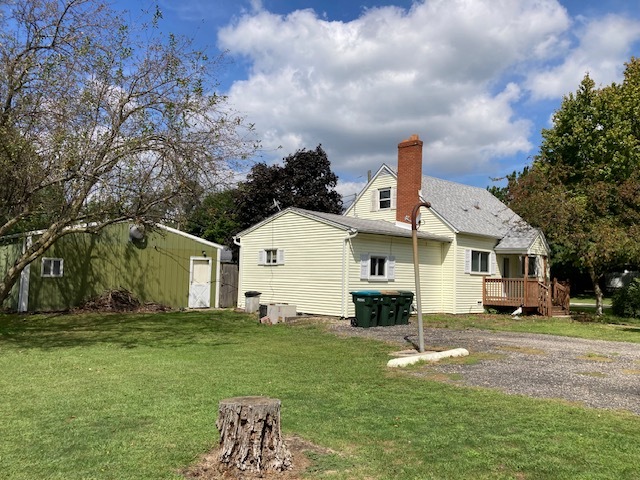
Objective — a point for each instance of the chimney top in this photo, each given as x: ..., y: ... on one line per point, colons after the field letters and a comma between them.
x: 412, y: 140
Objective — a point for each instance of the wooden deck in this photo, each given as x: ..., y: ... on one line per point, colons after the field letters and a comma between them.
x: 530, y: 293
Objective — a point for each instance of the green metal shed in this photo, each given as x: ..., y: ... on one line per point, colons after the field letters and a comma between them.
x: 165, y: 265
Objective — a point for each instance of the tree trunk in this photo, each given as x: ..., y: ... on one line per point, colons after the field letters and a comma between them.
x: 595, y: 280
x: 250, y: 437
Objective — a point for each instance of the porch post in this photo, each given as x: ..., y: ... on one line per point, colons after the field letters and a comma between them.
x: 525, y: 259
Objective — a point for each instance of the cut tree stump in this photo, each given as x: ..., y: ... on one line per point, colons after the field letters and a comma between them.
x: 250, y: 437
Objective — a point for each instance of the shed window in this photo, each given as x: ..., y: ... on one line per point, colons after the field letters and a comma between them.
x: 52, y: 267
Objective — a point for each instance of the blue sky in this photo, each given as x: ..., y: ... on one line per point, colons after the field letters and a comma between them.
x: 476, y: 79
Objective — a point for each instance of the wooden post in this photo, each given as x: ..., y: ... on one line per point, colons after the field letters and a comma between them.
x: 250, y: 437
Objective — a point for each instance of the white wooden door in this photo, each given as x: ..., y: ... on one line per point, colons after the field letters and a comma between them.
x: 200, y: 283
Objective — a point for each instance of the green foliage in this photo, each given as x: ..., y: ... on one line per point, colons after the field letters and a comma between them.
x: 583, y: 188
x: 103, y: 121
x: 214, y: 218
x: 626, y: 300
x: 304, y: 181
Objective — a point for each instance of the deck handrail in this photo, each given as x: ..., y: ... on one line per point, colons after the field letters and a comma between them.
x: 544, y: 299
x: 561, y: 294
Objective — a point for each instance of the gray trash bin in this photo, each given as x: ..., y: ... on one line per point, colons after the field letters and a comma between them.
x: 252, y: 301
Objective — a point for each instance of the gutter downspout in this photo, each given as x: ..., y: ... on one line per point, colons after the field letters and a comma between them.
x: 345, y: 277
x: 416, y: 269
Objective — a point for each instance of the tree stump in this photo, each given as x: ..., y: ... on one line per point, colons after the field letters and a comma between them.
x: 250, y: 437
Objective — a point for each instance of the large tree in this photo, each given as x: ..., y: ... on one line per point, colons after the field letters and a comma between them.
x: 583, y: 189
x: 305, y: 180
x: 102, y: 121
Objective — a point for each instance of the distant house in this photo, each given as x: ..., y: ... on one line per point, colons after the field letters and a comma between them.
x: 474, y: 251
x: 165, y: 266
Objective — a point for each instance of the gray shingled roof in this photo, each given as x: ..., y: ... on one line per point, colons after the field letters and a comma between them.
x: 476, y: 211
x: 377, y: 227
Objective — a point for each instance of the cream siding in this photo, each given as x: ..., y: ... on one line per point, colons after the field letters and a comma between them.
x: 468, y: 298
x: 362, y: 207
x: 538, y: 247
x: 311, y: 277
x: 401, y: 248
x: 431, y: 223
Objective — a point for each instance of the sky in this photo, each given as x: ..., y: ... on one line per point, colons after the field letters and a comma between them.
x: 477, y: 80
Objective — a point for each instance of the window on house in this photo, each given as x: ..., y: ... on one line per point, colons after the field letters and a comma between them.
x: 52, y: 267
x: 271, y: 256
x: 478, y: 261
x: 385, y: 198
x: 377, y: 267
x: 532, y: 266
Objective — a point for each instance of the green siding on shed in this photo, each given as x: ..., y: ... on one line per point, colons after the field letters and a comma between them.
x: 156, y: 269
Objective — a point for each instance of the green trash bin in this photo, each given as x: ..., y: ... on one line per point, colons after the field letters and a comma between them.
x: 405, y: 299
x: 367, y: 304
x: 389, y: 308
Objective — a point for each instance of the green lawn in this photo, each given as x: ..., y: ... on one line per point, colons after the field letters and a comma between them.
x: 135, y: 397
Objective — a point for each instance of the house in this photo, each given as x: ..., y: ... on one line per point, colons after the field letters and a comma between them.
x: 164, y: 265
x: 474, y: 251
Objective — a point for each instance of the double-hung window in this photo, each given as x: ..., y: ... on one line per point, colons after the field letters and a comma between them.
x: 52, y: 267
x: 383, y: 199
x: 479, y: 262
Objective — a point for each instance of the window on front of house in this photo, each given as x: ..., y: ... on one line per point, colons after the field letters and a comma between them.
x: 52, y: 267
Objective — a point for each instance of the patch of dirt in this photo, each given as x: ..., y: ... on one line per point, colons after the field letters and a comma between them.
x: 209, y: 468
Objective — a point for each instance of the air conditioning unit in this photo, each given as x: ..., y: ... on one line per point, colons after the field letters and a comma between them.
x: 279, y: 312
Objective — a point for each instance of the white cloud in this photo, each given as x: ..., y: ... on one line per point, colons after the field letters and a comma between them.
x: 445, y: 69
x: 604, y: 44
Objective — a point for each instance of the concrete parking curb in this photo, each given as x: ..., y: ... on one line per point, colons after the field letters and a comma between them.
x: 427, y: 357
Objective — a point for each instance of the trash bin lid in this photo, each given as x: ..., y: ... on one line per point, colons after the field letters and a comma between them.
x: 252, y: 293
x: 366, y: 293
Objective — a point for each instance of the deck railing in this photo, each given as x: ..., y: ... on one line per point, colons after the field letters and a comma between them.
x: 530, y: 293
x: 544, y: 300
x: 561, y: 295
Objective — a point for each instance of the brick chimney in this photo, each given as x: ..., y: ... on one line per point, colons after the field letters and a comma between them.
x: 409, y: 177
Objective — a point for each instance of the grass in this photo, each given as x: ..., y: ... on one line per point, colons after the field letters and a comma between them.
x: 607, y: 327
x: 136, y: 396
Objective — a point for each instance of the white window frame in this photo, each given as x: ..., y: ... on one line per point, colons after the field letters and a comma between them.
x: 376, y: 199
x: 271, y: 257
x: 468, y: 262
x: 389, y: 265
x: 50, y: 261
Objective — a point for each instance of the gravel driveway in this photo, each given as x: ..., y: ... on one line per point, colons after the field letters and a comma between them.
x: 596, y: 373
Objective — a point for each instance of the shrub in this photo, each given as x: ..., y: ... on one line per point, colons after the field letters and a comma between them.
x: 626, y: 301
